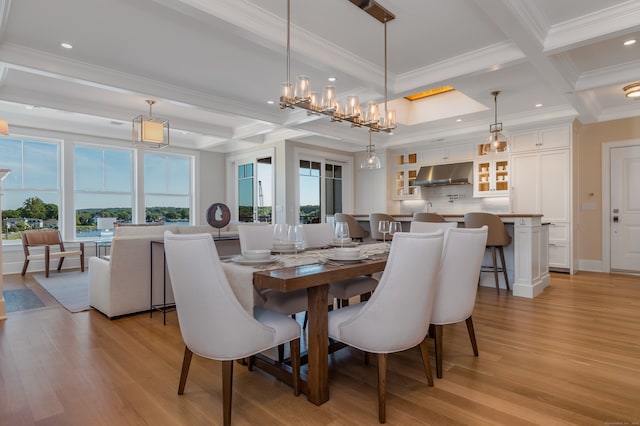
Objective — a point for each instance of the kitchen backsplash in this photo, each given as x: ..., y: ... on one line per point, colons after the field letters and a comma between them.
x: 454, y: 199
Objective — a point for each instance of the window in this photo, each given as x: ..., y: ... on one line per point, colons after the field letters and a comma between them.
x: 167, y: 188
x: 333, y: 188
x: 310, y: 188
x: 255, y: 189
x: 31, y: 190
x: 103, y: 183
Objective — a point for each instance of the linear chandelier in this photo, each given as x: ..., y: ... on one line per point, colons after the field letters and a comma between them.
x: 327, y: 104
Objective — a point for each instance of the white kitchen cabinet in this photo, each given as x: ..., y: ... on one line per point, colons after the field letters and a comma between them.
x: 541, y: 139
x: 491, y: 176
x: 541, y: 183
x: 447, y: 154
x: 404, y: 176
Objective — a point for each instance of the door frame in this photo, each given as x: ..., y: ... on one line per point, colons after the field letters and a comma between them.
x: 606, y: 197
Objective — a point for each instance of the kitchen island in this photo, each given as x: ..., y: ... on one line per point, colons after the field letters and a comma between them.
x: 527, y: 256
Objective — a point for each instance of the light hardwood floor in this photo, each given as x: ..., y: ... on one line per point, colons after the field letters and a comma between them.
x: 569, y: 356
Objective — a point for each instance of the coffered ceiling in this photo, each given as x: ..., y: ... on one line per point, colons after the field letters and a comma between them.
x: 212, y: 66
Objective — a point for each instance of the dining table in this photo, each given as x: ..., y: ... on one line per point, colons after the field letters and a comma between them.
x: 312, y: 270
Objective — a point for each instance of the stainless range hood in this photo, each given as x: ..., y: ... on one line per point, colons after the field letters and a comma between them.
x: 445, y: 174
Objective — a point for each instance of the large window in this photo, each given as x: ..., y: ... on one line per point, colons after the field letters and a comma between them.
x: 31, y: 190
x: 310, y: 189
x: 321, y: 189
x: 255, y: 183
x: 167, y: 188
x: 103, y: 187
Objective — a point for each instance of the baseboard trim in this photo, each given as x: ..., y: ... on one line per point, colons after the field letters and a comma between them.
x: 590, y: 265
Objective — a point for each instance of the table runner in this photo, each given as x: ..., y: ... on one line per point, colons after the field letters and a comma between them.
x: 240, y: 277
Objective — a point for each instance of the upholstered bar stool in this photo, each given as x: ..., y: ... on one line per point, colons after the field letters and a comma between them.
x: 497, y: 238
x: 356, y: 231
x: 374, y: 219
x: 427, y: 217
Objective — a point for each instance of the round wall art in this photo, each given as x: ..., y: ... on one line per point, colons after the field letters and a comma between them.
x: 218, y: 215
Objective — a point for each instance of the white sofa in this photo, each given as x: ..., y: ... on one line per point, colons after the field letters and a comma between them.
x: 121, y: 285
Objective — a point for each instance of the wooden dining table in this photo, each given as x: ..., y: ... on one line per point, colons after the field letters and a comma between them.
x: 316, y: 278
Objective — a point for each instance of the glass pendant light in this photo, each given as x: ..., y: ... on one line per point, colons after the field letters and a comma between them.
x: 371, y: 161
x: 496, y: 141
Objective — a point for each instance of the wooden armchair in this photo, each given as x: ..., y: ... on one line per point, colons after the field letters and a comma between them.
x: 46, y: 239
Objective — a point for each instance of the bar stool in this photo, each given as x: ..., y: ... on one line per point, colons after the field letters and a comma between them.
x: 374, y: 219
x: 497, y: 238
x: 356, y: 231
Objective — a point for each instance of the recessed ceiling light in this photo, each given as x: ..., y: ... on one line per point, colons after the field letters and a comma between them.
x: 116, y: 123
x: 29, y: 107
x: 66, y: 45
x: 332, y: 79
x: 270, y: 102
x: 538, y: 105
x: 629, y: 42
x: 459, y: 120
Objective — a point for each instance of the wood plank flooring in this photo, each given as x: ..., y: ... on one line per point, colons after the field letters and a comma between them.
x: 569, y: 356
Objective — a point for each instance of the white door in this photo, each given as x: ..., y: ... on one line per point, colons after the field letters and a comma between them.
x: 625, y: 209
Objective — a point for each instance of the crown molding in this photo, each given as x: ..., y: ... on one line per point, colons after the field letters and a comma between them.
x: 481, y: 60
x: 607, y: 76
x: 600, y: 24
x: 530, y: 17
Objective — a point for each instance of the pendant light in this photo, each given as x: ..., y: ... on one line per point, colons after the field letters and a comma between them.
x: 496, y: 142
x: 149, y: 131
x: 371, y: 161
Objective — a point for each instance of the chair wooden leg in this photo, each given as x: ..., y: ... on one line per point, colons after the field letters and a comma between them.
x: 294, y: 347
x: 438, y: 330
x: 305, y: 320
x: 472, y: 336
x: 46, y: 261
x: 504, y: 267
x: 82, y: 262
x: 424, y: 351
x: 60, y: 263
x: 280, y: 353
x: 366, y: 296
x: 344, y: 303
x: 186, y: 362
x: 24, y: 267
x: 227, y: 389
x: 366, y: 358
x: 382, y: 387
x: 495, y: 268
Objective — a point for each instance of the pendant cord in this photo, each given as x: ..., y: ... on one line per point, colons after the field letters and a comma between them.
x: 289, y: 42
x: 385, y: 67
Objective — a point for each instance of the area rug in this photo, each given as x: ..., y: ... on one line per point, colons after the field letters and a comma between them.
x: 71, y: 289
x: 21, y: 299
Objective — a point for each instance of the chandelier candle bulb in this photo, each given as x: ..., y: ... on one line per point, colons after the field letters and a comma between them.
x: 303, y: 89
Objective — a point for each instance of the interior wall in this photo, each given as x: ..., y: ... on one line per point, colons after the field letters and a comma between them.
x: 589, y: 177
x: 210, y: 183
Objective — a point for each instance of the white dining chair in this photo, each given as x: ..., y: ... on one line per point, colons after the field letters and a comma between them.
x: 429, y: 227
x: 212, y: 321
x: 321, y: 235
x: 397, y: 316
x: 457, y: 284
x: 255, y: 237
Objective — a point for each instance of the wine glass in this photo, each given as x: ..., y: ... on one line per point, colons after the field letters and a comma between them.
x: 394, y: 227
x: 383, y: 228
x: 341, y: 232
x: 280, y: 233
x: 296, y: 236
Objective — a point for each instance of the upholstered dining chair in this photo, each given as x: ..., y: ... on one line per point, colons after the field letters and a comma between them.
x: 212, y: 321
x: 427, y: 217
x: 428, y: 227
x: 397, y: 316
x: 374, y: 219
x: 356, y: 231
x: 457, y: 284
x: 497, y: 238
x: 321, y: 235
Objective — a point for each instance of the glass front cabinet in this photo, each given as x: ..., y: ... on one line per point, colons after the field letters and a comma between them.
x: 405, y: 173
x: 491, y: 176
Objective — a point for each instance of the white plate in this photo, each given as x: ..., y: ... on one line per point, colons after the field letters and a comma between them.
x: 348, y: 260
x: 242, y: 261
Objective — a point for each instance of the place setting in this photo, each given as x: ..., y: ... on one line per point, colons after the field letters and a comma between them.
x: 255, y: 257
